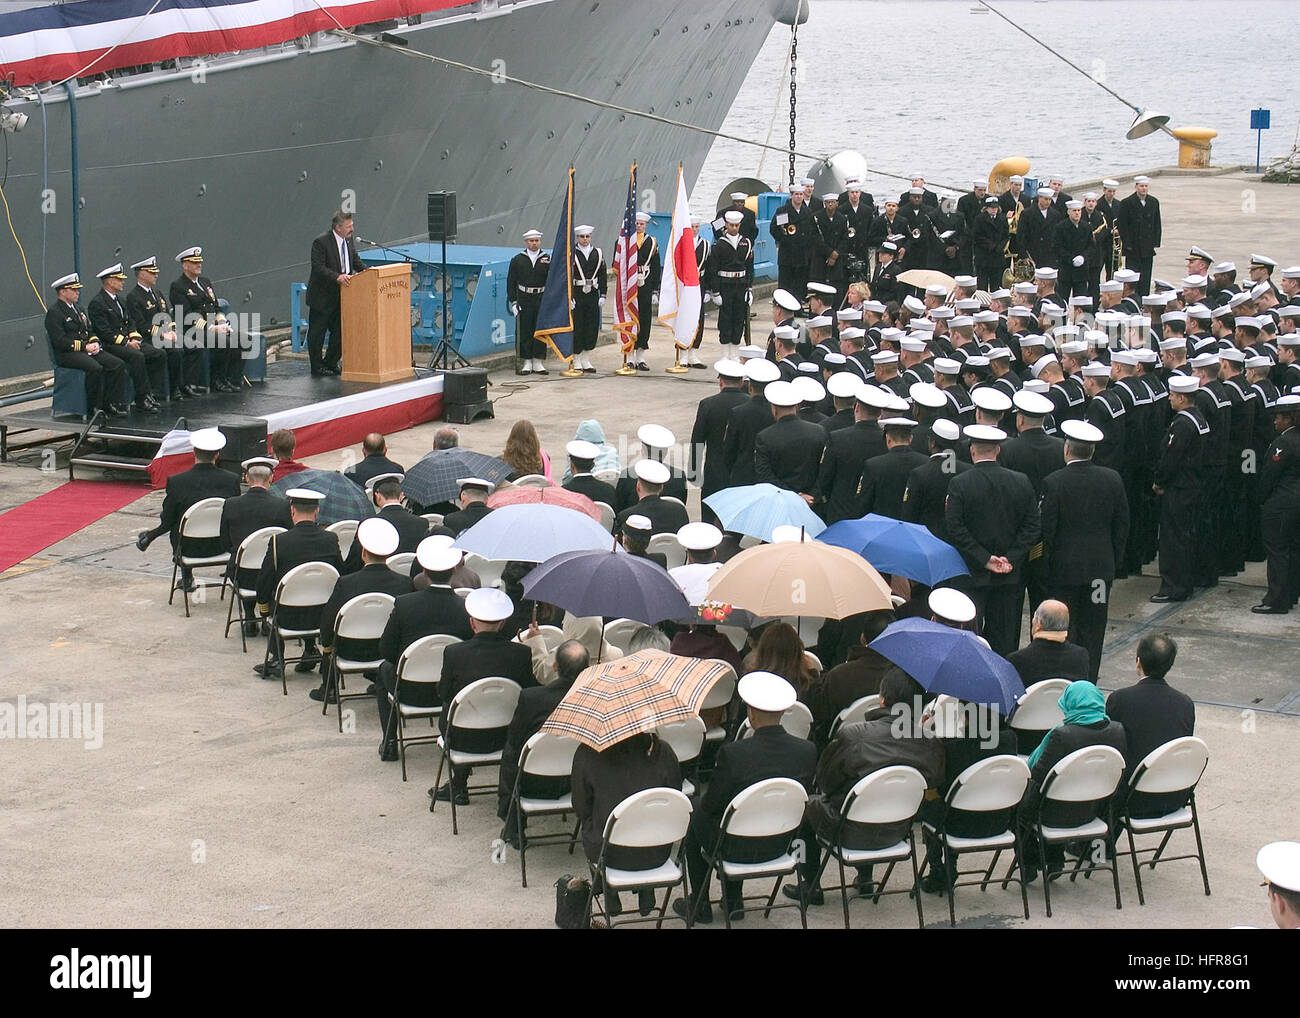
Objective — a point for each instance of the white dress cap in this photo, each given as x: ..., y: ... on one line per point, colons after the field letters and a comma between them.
x: 377, y: 536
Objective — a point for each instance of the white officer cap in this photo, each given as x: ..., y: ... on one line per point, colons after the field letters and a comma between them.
x: 1279, y: 862
x: 821, y: 289
x: 305, y: 495
x: 209, y: 440
x: 372, y: 481
x: 532, y: 235
x: 487, y: 604
x: 843, y: 384
x: 150, y: 263
x: 749, y: 352
x: 581, y: 450
x: 699, y: 536
x: 733, y: 216
x: 738, y: 196
x: 655, y: 436
x: 952, y: 605
x: 782, y: 394
x: 1032, y: 404
x: 905, y: 423
x: 1081, y: 431
x: 984, y: 433
x: 652, y: 471
x: 927, y: 394
x: 1095, y: 369
x: 70, y: 281
x: 191, y: 254
x: 1263, y: 260
x: 1185, y: 384
x: 437, y: 555
x: 258, y: 461
x: 114, y: 271
x: 809, y: 389
x: 785, y: 299
x: 766, y: 692
x: 377, y: 536
x: 993, y: 400
x: 945, y: 429
x: 727, y: 368
x: 761, y: 371
x: 874, y: 396
x: 475, y: 482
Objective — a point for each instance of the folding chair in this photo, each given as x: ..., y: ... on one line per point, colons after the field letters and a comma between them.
x: 607, y: 516
x: 652, y: 818
x: 361, y: 618
x: 609, y: 475
x: 749, y: 541
x: 545, y: 755
x: 346, y: 531
x: 618, y: 633
x: 306, y: 586
x: 766, y: 809
x: 489, y: 570
x: 736, y: 635
x: 854, y: 713
x: 1086, y: 777
x: 1173, y: 769
x: 1037, y: 713
x: 200, y: 522
x: 553, y: 635
x: 813, y: 660
x: 987, y: 794
x: 420, y: 664
x: 248, y: 558
x: 485, y: 708
x: 672, y: 498
x: 400, y: 563
x: 433, y: 519
x: 719, y: 697
x: 888, y: 796
x: 797, y: 721
x: 668, y: 546
x: 533, y: 481
x: 686, y: 737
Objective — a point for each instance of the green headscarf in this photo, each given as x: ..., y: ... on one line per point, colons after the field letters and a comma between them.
x: 1082, y: 704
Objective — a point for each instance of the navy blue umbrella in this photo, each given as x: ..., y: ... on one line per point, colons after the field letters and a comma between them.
x: 897, y: 548
x: 608, y: 583
x: 952, y: 661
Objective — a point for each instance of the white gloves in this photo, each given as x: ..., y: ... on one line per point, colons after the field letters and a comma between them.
x: 749, y: 297
x: 654, y: 299
x: 717, y: 299
x: 514, y: 308
x: 601, y: 302
x: 572, y: 305
x: 1078, y: 260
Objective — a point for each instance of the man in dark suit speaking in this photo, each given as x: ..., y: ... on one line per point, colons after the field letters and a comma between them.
x: 334, y: 261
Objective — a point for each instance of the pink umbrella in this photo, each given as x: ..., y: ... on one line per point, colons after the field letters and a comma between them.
x: 526, y: 495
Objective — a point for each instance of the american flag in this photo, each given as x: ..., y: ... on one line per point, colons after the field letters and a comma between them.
x: 626, y: 319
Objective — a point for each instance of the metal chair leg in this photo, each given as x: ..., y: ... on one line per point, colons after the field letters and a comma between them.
x: 175, y: 566
x: 1024, y: 891
x: 284, y: 665
x: 521, y: 825
x: 952, y: 888
x: 1160, y: 848
x: 844, y: 891
x: 1137, y: 874
x: 325, y: 704
x: 437, y: 783
x: 230, y: 612
x: 1046, y: 871
x: 1200, y: 850
x: 916, y: 884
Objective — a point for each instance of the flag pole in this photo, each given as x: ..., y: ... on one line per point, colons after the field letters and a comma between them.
x: 677, y: 367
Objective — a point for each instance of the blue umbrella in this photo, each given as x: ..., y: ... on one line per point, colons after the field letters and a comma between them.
x: 758, y: 509
x: 533, y: 533
x: 897, y: 548
x: 607, y: 583
x: 952, y: 661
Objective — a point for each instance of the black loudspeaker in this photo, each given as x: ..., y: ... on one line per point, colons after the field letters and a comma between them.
x: 244, y: 439
x: 464, y: 395
x: 442, y: 215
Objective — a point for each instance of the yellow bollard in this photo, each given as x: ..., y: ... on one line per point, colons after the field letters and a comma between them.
x: 1194, y: 146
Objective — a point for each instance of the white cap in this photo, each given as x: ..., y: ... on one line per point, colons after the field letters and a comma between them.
x: 820, y: 322
x: 808, y: 181
x: 1090, y: 196
x: 830, y: 196
x: 873, y: 396
x: 1081, y: 431
x: 843, y: 384
x: 785, y: 299
x: 1032, y: 404
x: 1279, y: 861
x: 834, y: 360
x: 1141, y: 178
x: 1289, y: 339
x: 1047, y: 272
x: 914, y: 305
x: 1204, y: 360
x: 1001, y: 293
x: 437, y: 555
x: 475, y: 482
x: 748, y: 352
x: 150, y: 263
x: 532, y: 235
x: 259, y: 461
x: 1095, y: 369
x: 808, y: 388
x: 655, y: 436
x: 1032, y: 339
x: 208, y: 440
x: 916, y: 190
x: 897, y: 422
x: 1036, y: 386
x: 113, y: 270
x: 378, y: 478
x: 1246, y: 322
x: 1024, y: 288
x: 1290, y: 403
x: 738, y: 196
x: 732, y: 216
x: 1110, y: 286
x: 579, y: 231
x: 1174, y: 343
x: 961, y: 321
x: 1074, y: 204
x: 999, y: 353
x: 984, y: 433
x: 761, y: 370
x: 943, y: 311
x: 927, y: 394
x: 1015, y: 178
x: 652, y: 471
x: 990, y: 399
x: 1110, y: 184
x: 1222, y: 268
x: 699, y: 536
x: 782, y: 394
x: 71, y: 279
x: 852, y: 333
x: 766, y: 692
x: 643, y: 217
x: 853, y: 184
x: 581, y: 450
x: 1196, y: 281
x: 822, y: 289
x: 965, y: 281
x: 304, y: 495
x: 1074, y: 347
x: 1129, y: 358
x: 1184, y: 384
x: 849, y: 314
x: 786, y: 332
x: 487, y: 604
x: 1126, y: 276
x: 727, y: 368
x: 975, y: 360
x: 1081, y: 301
x: 913, y: 344
x: 191, y: 254
x: 884, y: 357
x: 874, y: 306
x: 984, y: 318
x: 950, y: 604
x: 946, y: 366
x: 935, y: 290
x: 945, y: 429
x: 377, y: 536
x: 1258, y: 361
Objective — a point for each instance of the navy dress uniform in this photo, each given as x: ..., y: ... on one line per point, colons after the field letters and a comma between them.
x: 1085, y: 521
x: 664, y: 516
x: 1177, y: 481
x: 788, y: 452
x: 731, y: 266
x: 656, y: 441
x: 847, y: 452
x: 649, y: 268
x: 242, y: 515
x: 378, y: 537
x: 1279, y: 495
x: 793, y: 229
x: 708, y: 434
x: 884, y: 477
x: 988, y: 239
x: 525, y: 284
x: 925, y: 499
x: 746, y: 421
x: 704, y: 267
x: 1138, y: 219
x: 192, y: 293
x: 75, y: 346
x: 1076, y: 252
x: 1106, y: 411
x: 411, y: 529
x: 305, y: 541
x: 587, y: 290
x: 110, y: 322
x: 147, y: 310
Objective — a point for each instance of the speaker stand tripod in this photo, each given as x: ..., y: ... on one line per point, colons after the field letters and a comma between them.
x: 445, y: 356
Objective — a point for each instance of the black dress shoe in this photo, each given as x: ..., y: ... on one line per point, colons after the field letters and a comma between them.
x: 147, y: 408
x: 317, y: 373
x: 643, y: 367
x: 318, y: 694
x: 443, y: 794
x: 303, y: 667
x: 187, y: 584
x: 700, y: 366
x: 813, y: 896
x: 114, y: 410
x: 270, y: 670
x: 588, y: 371
x: 251, y: 629
x: 388, y: 753
x: 193, y: 390
x: 1268, y: 609
x: 1165, y: 598
x: 177, y: 396
x: 142, y: 540
x: 330, y: 369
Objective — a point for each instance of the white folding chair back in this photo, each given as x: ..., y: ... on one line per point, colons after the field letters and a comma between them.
x: 1037, y: 709
x: 855, y: 712
x: 649, y: 818
x: 946, y: 717
x: 686, y: 737
x: 306, y: 585
x: 489, y: 570
x: 400, y: 563
x: 484, y: 704
x: 748, y: 541
x: 1173, y: 767
x: 346, y: 531
x: 433, y: 519
x: 994, y: 783
x: 797, y: 721
x: 618, y: 633
x: 668, y: 546
x: 766, y: 808
x: 421, y: 662
x: 464, y: 591
x: 607, y: 516
x: 813, y: 660
x: 887, y: 796
x: 672, y: 498
x: 364, y: 618
x: 1085, y: 775
x: 718, y: 697
x: 202, y: 519
x: 533, y: 481
x: 736, y: 635
x: 553, y: 635
x: 547, y: 755
x: 607, y: 474
x: 252, y: 550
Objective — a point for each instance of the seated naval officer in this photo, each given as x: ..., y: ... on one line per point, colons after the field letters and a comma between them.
x: 109, y: 320
x: 474, y: 492
x: 385, y: 491
x: 656, y: 443
x: 582, y: 461
x: 305, y: 541
x: 203, y: 480
x: 664, y: 516
x: 201, y: 317
x: 75, y: 346
x: 245, y: 514
x: 147, y: 310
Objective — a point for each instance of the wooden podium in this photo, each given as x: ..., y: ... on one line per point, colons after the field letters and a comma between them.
x: 376, y: 312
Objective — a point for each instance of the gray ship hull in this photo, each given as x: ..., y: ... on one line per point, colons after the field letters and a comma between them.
x: 250, y: 161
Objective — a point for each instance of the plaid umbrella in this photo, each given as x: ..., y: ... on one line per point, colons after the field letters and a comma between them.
x: 343, y: 499
x: 607, y: 583
x: 610, y: 702
x: 434, y: 478
x: 804, y: 579
x: 533, y: 533
x: 758, y: 509
x: 529, y: 495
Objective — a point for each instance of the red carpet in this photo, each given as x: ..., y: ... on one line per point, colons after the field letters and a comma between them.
x: 57, y: 514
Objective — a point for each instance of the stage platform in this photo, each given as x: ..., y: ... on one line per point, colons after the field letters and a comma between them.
x: 323, y: 413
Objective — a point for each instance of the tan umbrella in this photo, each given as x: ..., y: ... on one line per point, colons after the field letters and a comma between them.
x: 807, y: 580
x: 610, y: 702
x: 927, y: 277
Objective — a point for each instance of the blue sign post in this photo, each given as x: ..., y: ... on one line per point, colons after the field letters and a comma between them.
x: 1259, y: 124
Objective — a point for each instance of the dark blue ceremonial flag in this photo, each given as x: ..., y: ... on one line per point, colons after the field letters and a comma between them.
x: 554, y: 316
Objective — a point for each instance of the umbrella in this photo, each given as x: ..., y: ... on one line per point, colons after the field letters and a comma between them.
x: 927, y: 277
x: 952, y: 661
x: 433, y: 479
x: 533, y: 533
x: 897, y: 548
x: 610, y: 702
x: 609, y: 583
x: 529, y: 495
x: 343, y: 499
x: 805, y: 580
x: 758, y: 509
